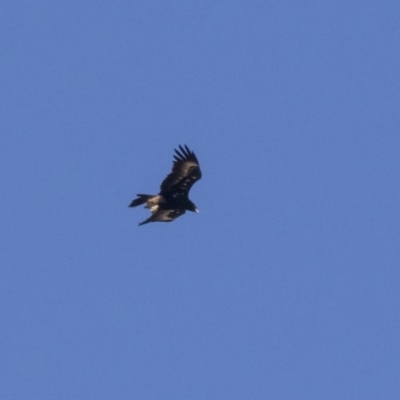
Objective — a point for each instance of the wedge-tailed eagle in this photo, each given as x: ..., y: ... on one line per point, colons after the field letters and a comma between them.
x: 173, y: 199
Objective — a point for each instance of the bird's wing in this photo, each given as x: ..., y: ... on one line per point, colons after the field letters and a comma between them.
x: 185, y: 172
x: 164, y: 215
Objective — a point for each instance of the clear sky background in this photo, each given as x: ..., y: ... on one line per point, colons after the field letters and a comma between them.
x: 286, y: 285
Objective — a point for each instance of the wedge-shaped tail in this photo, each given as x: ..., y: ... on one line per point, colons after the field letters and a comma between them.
x: 141, y: 199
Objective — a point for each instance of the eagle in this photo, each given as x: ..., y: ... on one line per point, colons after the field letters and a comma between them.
x: 173, y: 199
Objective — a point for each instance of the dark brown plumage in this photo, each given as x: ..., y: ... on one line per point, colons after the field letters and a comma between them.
x: 173, y: 199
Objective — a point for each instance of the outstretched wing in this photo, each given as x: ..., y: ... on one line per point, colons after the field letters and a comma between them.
x: 185, y: 172
x: 164, y: 215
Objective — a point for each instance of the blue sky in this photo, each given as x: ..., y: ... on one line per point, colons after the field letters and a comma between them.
x: 285, y: 286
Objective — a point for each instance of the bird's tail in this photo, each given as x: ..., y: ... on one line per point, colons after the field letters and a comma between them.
x: 141, y: 199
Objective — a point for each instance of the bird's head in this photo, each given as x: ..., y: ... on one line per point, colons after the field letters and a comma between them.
x: 190, y: 206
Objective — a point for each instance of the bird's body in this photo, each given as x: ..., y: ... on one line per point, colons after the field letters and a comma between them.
x: 173, y: 199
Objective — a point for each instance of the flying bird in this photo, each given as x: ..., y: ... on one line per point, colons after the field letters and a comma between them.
x: 173, y: 199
